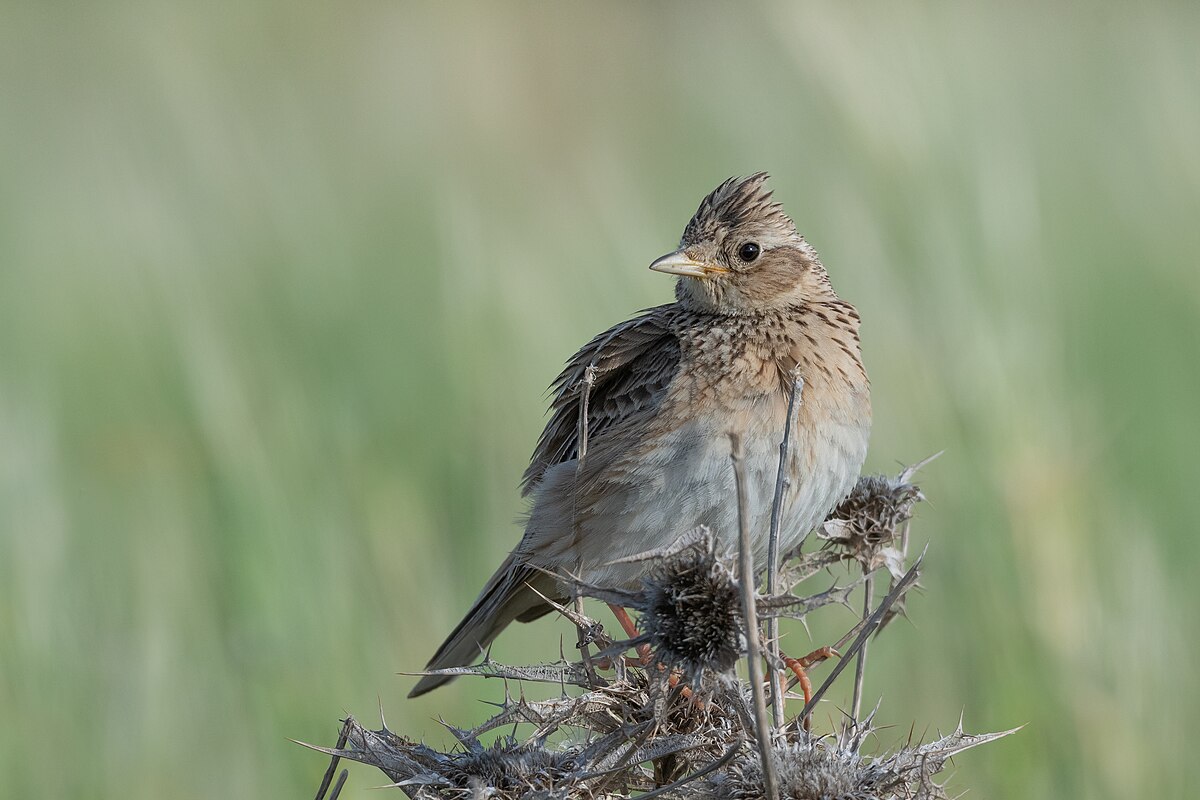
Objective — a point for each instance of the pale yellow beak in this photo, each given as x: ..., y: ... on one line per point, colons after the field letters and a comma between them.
x: 679, y: 263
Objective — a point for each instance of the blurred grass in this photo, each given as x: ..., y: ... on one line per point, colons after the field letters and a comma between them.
x: 281, y: 286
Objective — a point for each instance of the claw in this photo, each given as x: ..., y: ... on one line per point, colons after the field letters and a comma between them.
x: 798, y: 666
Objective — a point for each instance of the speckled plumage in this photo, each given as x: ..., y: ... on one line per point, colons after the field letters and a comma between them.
x: 670, y: 384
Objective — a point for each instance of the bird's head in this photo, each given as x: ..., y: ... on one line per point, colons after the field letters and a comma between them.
x: 741, y: 254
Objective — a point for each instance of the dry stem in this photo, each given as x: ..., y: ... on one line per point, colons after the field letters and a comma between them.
x: 860, y: 665
x: 637, y: 732
x: 781, y: 484
x: 865, y: 630
x: 585, y: 391
x: 333, y: 763
x: 750, y: 613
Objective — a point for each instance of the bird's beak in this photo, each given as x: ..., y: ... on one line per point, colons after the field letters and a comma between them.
x: 679, y: 263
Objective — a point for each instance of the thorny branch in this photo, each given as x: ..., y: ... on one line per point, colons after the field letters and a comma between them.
x: 685, y: 725
x: 867, y: 629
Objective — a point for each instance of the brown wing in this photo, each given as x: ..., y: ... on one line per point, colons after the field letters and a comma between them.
x: 635, y: 363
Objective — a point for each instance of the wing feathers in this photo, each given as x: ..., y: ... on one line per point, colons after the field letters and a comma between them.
x: 635, y: 363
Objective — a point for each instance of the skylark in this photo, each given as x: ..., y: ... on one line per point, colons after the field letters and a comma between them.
x: 752, y: 303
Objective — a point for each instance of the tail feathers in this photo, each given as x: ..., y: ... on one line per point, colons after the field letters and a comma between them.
x: 506, y: 597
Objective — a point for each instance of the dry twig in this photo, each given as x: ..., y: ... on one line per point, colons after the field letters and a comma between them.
x: 860, y: 665
x: 639, y: 732
x: 750, y: 614
x: 782, y: 482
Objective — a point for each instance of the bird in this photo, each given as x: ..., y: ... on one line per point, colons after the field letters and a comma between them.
x: 754, y: 307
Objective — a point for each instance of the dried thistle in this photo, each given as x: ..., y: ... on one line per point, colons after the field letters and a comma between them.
x: 806, y: 769
x: 691, y: 613
x: 869, y: 525
x: 621, y: 735
x: 812, y: 768
x: 689, y: 605
x: 509, y: 768
x: 714, y: 761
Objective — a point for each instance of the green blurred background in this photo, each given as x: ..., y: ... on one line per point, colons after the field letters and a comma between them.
x: 281, y: 286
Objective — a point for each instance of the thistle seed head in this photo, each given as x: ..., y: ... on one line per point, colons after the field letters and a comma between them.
x: 870, y: 521
x: 692, y: 612
x: 508, y: 769
x: 807, y: 770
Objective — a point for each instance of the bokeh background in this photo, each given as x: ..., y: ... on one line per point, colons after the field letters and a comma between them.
x: 281, y: 286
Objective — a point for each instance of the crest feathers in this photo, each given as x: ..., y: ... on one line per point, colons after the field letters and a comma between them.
x: 736, y: 202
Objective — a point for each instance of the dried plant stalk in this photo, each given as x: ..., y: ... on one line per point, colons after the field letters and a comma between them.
x: 585, y: 391
x: 753, y: 647
x: 685, y: 725
x: 860, y: 666
x: 781, y: 485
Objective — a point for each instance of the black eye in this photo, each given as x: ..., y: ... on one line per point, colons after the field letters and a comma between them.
x: 748, y: 252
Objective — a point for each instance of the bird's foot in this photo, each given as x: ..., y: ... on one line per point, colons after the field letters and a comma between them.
x: 631, y: 631
x: 645, y: 657
x: 800, y: 666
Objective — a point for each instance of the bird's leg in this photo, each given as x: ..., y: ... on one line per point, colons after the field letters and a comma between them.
x: 631, y: 631
x: 644, y: 655
x: 799, y: 667
x: 646, y: 658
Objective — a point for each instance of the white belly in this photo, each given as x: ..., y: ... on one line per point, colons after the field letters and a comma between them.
x: 689, y: 481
